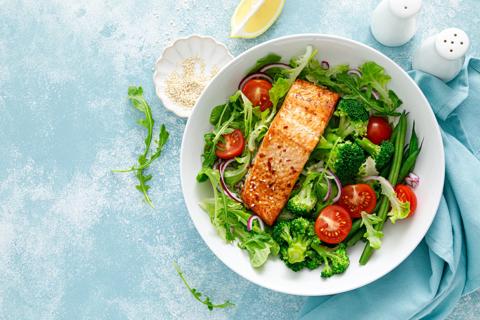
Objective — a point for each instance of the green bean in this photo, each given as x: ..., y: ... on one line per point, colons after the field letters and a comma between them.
x: 355, y: 237
x: 392, y: 177
x: 408, y: 165
x: 397, y: 156
x: 394, y: 133
x: 413, y: 145
x: 385, y: 171
x: 355, y: 226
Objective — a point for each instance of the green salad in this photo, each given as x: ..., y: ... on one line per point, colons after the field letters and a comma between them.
x: 357, y: 177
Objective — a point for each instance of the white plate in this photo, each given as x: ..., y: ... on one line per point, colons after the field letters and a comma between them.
x: 400, y: 239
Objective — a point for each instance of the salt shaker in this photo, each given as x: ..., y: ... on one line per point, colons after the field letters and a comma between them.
x: 443, y: 54
x: 394, y: 21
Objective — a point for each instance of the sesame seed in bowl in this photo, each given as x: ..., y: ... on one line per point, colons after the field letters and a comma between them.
x: 185, y: 69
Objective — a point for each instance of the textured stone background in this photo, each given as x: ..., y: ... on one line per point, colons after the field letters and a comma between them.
x: 77, y: 242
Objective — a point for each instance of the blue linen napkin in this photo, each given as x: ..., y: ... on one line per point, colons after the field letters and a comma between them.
x: 446, y: 264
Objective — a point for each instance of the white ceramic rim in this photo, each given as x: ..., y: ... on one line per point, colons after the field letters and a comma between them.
x: 437, y: 132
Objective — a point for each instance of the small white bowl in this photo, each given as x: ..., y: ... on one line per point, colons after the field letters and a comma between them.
x: 214, y: 54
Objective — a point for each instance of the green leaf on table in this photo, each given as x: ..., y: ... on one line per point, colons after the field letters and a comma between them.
x: 198, y: 295
x: 135, y: 95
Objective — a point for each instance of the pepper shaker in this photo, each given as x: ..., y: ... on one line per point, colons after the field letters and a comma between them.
x: 394, y: 21
x: 443, y: 54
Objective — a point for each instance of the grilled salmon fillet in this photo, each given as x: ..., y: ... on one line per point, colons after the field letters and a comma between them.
x: 286, y: 147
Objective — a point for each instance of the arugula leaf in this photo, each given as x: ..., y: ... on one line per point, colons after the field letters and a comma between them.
x: 142, y: 185
x: 225, y: 118
x: 269, y: 58
x: 162, y: 140
x: 247, y: 115
x: 216, y: 113
x: 135, y: 95
x: 396, y: 101
x: 198, y: 295
x: 234, y: 175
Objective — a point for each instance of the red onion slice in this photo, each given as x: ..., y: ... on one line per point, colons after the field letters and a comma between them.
x: 275, y: 65
x: 375, y: 95
x: 338, y: 183
x: 256, y: 75
x: 412, y: 180
x: 230, y: 194
x: 354, y: 72
x: 329, y: 190
x: 250, y: 222
x: 325, y: 65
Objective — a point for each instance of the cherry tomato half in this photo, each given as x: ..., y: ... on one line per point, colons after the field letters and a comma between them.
x: 378, y: 130
x: 333, y: 224
x: 256, y: 91
x: 405, y: 193
x: 356, y: 198
x: 232, y: 147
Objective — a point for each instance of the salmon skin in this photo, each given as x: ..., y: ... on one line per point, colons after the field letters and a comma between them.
x: 286, y: 147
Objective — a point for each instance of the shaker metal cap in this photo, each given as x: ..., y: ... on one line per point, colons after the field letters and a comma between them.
x: 405, y: 8
x: 452, y: 43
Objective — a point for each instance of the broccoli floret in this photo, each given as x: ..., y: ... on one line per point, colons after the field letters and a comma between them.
x: 303, y: 202
x: 297, y: 266
x: 335, y: 261
x: 345, y: 160
x: 353, y: 118
x: 381, y: 153
x: 294, y: 237
x: 313, y: 260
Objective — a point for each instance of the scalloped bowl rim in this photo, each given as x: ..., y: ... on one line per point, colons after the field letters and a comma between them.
x: 181, y: 111
x: 274, y: 275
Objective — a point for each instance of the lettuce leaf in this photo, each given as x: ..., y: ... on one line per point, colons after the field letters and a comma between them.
x: 230, y: 220
x: 282, y: 85
x: 268, y: 59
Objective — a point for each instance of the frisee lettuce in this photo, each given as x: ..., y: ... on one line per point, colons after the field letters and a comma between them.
x: 373, y: 235
x: 398, y: 210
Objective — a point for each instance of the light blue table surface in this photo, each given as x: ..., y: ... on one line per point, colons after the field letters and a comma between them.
x: 78, y: 242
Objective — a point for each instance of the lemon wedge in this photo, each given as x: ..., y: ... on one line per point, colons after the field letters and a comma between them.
x: 253, y: 17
